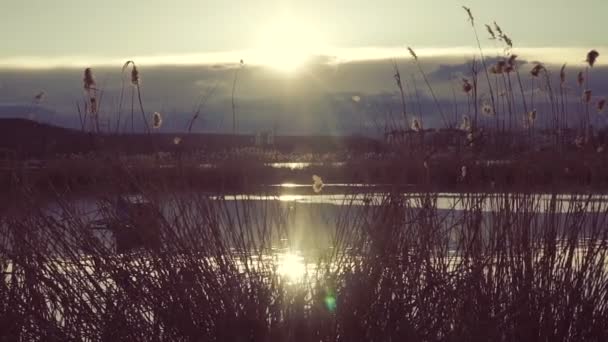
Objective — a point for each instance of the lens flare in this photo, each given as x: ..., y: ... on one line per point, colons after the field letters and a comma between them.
x: 330, y: 303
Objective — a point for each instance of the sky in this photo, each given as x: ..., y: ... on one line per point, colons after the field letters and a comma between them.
x: 74, y: 29
x: 304, y: 59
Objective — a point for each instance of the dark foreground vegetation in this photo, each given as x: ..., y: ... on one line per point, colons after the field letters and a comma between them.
x: 505, y: 267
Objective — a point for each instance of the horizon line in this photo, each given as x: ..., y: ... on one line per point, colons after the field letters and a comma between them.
x: 332, y: 56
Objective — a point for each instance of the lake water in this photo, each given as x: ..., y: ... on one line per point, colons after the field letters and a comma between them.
x: 304, y: 222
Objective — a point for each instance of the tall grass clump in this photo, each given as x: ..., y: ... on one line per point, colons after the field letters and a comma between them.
x: 473, y: 267
x: 514, y: 110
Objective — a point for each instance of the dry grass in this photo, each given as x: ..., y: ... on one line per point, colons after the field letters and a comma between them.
x: 399, y: 268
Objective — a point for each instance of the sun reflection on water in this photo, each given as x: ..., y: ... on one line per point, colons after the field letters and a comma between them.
x: 289, y: 185
x: 291, y: 266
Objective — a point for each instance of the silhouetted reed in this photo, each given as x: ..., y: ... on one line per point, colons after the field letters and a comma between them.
x: 135, y: 88
x: 390, y: 267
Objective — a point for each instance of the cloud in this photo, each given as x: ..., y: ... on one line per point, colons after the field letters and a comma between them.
x: 315, y: 99
x: 459, y: 69
x: 256, y: 57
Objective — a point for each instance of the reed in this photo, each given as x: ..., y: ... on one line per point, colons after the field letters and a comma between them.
x: 502, y: 267
x: 135, y: 88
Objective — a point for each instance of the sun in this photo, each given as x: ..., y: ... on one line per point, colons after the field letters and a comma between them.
x: 287, y: 43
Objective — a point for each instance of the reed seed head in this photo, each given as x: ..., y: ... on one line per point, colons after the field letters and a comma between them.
x: 463, y: 172
x: 416, y: 125
x: 469, y: 14
x: 532, y: 116
x: 587, y: 96
x: 135, y: 79
x: 491, y: 32
x: 89, y: 80
x: 466, y: 124
x: 592, y: 57
x: 470, y: 137
x: 601, y: 105
x: 135, y: 76
x: 498, y: 29
x: 157, y: 120
x: 317, y: 184
x: 507, y: 40
x: 487, y: 110
x: 499, y: 67
x: 412, y: 53
x: 466, y: 86
x: 537, y: 69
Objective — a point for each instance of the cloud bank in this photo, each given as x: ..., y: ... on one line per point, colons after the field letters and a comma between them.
x: 344, y: 92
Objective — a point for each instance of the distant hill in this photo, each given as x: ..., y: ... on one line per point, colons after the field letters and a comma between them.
x: 34, y: 112
x: 29, y: 139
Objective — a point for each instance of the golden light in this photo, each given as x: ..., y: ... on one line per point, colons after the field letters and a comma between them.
x: 291, y: 266
x: 288, y: 43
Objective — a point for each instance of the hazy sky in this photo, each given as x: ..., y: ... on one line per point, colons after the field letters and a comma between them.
x: 67, y: 30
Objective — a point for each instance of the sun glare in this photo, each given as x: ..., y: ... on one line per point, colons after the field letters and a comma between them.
x: 288, y: 43
x: 291, y: 266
